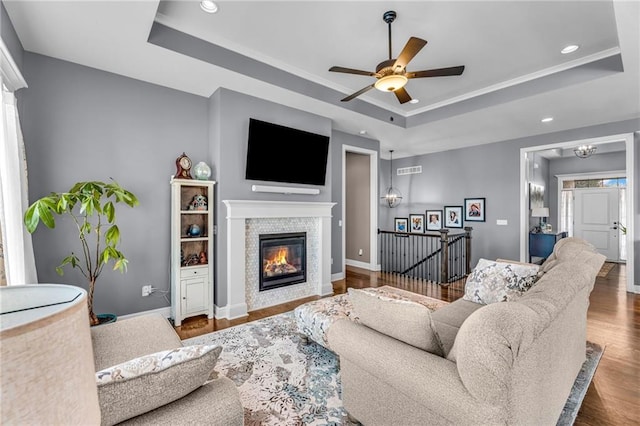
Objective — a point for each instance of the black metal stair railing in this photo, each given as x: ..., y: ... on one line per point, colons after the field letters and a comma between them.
x: 441, y: 256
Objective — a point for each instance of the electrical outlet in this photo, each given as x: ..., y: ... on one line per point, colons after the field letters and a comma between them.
x: 146, y: 290
x: 360, y: 252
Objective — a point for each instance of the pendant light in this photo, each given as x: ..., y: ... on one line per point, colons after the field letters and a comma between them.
x: 584, y: 151
x: 392, y: 196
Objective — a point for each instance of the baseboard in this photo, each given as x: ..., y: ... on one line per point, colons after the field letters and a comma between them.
x: 337, y: 277
x: 238, y: 310
x: 358, y: 264
x: 221, y: 312
x: 327, y: 289
x: 165, y: 312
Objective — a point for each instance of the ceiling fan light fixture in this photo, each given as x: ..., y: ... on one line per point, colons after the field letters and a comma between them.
x: 391, y: 83
x: 209, y: 6
x: 392, y: 74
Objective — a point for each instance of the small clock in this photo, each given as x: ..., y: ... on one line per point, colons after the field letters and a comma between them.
x: 183, y: 167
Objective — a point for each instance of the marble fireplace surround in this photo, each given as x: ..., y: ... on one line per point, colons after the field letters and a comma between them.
x: 239, y: 213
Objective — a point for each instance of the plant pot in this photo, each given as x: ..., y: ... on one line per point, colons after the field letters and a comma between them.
x: 106, y: 318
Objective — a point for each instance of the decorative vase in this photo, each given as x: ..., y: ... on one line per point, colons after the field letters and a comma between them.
x: 194, y: 230
x: 106, y: 318
x: 201, y: 171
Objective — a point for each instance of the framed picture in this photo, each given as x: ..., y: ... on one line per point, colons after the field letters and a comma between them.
x: 417, y: 222
x: 453, y: 216
x: 536, y: 196
x: 434, y: 220
x: 401, y: 224
x: 474, y: 209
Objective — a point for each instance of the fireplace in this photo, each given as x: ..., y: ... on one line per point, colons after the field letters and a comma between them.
x: 283, y: 259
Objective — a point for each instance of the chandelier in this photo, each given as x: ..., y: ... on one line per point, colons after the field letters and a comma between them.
x: 584, y: 151
x: 392, y: 196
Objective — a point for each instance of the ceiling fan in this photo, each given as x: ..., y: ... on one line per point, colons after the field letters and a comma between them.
x: 392, y: 74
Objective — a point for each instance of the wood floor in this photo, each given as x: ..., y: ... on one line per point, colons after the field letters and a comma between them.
x: 613, y: 321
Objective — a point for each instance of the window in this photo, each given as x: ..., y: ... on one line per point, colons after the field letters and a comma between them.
x: 566, y: 212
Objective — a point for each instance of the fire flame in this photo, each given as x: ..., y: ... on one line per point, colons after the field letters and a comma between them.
x: 279, y: 259
x: 278, y: 264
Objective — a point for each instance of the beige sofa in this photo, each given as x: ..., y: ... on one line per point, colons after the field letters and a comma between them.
x: 505, y: 363
x: 215, y: 403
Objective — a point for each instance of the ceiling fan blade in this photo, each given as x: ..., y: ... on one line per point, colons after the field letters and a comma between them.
x: 411, y: 49
x: 358, y: 93
x: 402, y: 95
x: 353, y: 71
x: 440, y: 72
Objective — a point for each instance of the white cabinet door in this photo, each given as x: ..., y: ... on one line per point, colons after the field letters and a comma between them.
x: 596, y: 219
x: 194, y: 295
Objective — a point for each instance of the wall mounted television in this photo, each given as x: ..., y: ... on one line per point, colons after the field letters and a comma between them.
x: 277, y: 153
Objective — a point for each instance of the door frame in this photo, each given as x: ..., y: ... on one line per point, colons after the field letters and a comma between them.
x: 373, y: 205
x: 627, y: 138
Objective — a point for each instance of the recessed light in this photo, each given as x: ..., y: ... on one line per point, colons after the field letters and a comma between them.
x: 570, y: 49
x: 208, y: 6
x: 414, y: 101
x: 547, y: 119
x: 363, y: 132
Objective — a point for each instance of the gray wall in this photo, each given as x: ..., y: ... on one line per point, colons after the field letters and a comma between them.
x: 358, y: 199
x: 338, y: 140
x: 572, y: 165
x: 229, y: 113
x: 84, y: 124
x: 491, y: 171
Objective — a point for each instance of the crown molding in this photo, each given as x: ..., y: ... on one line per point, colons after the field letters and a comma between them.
x: 11, y: 75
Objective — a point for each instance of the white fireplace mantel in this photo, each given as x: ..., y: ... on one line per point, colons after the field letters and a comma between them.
x: 238, y: 211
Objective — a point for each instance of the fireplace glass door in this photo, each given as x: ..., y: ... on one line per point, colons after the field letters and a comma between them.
x: 283, y: 260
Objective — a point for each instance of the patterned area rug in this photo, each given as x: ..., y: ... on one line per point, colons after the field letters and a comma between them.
x: 606, y: 268
x: 283, y: 381
x: 580, y: 386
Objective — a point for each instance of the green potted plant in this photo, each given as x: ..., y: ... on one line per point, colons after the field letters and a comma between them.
x: 91, y: 205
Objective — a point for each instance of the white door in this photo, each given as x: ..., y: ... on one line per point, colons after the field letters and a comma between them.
x: 596, y: 219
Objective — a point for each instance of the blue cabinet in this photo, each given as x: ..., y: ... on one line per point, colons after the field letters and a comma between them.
x: 541, y: 245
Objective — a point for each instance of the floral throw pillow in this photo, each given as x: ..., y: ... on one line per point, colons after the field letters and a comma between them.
x: 492, y: 281
x: 154, y: 363
x: 145, y: 383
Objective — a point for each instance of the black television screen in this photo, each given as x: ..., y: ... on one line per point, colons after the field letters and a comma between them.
x: 281, y: 154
